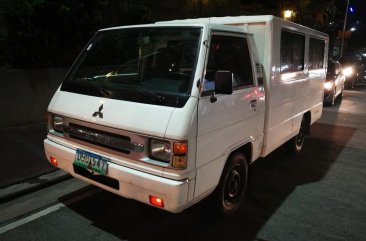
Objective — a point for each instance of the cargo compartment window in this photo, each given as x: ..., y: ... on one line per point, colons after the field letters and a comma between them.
x: 292, y: 51
x: 229, y: 53
x: 316, y: 53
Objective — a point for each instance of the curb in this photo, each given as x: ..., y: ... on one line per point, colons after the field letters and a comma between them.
x: 32, y: 184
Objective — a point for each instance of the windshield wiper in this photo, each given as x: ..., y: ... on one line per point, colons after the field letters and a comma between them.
x: 145, y: 93
x: 97, y: 86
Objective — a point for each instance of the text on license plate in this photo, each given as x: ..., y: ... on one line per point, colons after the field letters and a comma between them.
x: 91, y: 161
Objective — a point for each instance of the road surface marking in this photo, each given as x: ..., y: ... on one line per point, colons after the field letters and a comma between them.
x: 31, y: 218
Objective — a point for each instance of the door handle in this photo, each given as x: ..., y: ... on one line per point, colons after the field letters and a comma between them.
x: 253, y: 104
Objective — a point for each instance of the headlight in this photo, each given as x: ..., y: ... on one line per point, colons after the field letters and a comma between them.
x: 161, y: 150
x: 348, y: 71
x: 328, y: 85
x: 166, y: 151
x: 58, y: 124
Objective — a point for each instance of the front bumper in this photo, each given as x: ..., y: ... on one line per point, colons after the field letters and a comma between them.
x: 131, y: 183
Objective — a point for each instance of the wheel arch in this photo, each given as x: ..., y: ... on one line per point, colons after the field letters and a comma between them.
x: 228, y: 204
x: 247, y: 150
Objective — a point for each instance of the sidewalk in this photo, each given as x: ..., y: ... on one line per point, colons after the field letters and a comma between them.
x: 24, y: 166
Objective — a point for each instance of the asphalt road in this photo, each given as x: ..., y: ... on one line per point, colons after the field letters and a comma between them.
x: 23, y: 155
x: 318, y: 195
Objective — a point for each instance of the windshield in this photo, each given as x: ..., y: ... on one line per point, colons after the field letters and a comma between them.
x: 146, y: 65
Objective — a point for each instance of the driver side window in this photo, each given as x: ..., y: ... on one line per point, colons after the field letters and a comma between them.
x: 229, y: 53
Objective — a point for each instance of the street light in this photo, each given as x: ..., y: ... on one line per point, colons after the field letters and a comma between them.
x: 344, y: 29
x: 287, y: 14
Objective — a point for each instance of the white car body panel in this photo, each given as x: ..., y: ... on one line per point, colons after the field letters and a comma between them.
x: 212, y: 129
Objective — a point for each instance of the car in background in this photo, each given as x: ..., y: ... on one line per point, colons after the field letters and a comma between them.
x: 361, y: 76
x: 354, y: 69
x: 334, y: 83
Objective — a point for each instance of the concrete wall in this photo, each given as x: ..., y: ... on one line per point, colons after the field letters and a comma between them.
x: 25, y: 94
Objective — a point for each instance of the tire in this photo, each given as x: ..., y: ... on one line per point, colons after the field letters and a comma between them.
x: 332, y: 102
x: 340, y: 96
x: 233, y: 182
x: 295, y: 144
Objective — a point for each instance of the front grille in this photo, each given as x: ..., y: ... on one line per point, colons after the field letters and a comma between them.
x: 101, y: 138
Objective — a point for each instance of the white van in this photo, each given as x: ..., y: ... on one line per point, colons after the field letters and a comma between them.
x: 171, y: 112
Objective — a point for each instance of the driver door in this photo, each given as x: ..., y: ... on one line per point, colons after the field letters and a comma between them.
x: 226, y: 122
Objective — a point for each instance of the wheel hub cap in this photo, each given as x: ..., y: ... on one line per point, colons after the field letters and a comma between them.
x: 234, y: 184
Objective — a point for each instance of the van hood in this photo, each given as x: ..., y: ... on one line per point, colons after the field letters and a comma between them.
x: 136, y: 117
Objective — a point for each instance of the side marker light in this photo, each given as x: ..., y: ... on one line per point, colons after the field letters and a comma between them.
x: 156, y: 201
x: 53, y: 161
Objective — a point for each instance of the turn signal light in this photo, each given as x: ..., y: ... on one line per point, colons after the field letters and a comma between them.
x: 179, y: 162
x: 156, y: 201
x: 53, y: 161
x: 180, y: 148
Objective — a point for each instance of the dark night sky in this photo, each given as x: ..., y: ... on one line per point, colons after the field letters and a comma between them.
x: 359, y: 13
x: 356, y: 19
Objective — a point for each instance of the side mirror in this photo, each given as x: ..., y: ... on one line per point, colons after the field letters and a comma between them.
x: 223, y: 82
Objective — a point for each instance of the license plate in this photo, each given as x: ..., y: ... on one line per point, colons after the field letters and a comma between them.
x: 91, y: 161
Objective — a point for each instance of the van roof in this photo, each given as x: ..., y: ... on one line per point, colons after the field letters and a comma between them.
x: 224, y: 20
x: 204, y: 21
x: 180, y: 24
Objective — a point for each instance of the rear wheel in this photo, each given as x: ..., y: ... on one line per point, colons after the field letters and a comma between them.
x: 231, y: 189
x: 296, y: 143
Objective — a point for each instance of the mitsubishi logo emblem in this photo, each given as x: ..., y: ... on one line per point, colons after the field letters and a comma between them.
x: 99, y: 112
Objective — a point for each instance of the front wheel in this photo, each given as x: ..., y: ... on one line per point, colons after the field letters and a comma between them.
x: 340, y: 96
x: 231, y: 189
x: 331, y: 102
